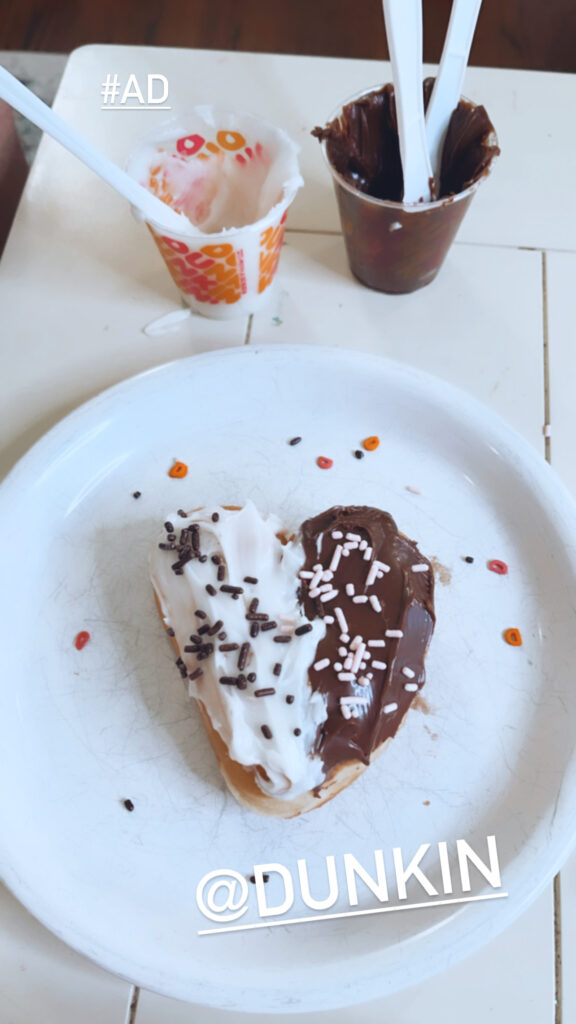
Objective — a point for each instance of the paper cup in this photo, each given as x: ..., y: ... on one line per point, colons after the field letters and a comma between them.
x: 234, y: 176
x: 396, y: 247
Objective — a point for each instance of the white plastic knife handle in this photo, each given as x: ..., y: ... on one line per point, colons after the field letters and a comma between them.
x: 448, y: 85
x: 28, y: 104
x: 404, y: 33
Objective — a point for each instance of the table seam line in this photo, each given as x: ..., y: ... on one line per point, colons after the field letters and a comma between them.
x: 332, y: 233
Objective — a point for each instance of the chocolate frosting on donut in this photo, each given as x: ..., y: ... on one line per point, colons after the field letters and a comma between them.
x: 404, y: 602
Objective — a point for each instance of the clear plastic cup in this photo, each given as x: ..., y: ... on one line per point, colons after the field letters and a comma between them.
x: 396, y: 247
x: 235, y: 177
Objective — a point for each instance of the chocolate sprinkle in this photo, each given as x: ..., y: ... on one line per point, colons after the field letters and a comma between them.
x: 303, y: 629
x: 277, y: 669
x: 170, y: 631
x: 168, y: 527
x: 196, y: 673
x: 266, y: 731
x: 469, y: 559
x: 250, y: 579
x: 241, y: 682
x: 254, y: 629
x: 294, y: 440
x: 182, y: 513
x: 211, y: 590
x: 215, y: 628
x: 227, y: 589
x: 192, y: 649
x: 268, y: 691
x: 297, y: 732
x: 243, y: 656
x: 128, y: 805
x: 215, y: 559
x: 215, y: 517
x: 251, y: 677
x: 265, y: 878
x: 290, y: 698
x: 221, y: 573
x: 137, y: 494
x: 200, y: 614
x: 282, y: 639
x: 228, y: 680
x: 204, y: 629
x: 253, y: 604
x: 228, y: 647
x: 269, y: 625
x: 358, y: 454
x: 222, y: 636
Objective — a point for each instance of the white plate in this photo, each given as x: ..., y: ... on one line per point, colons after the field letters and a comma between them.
x: 81, y: 731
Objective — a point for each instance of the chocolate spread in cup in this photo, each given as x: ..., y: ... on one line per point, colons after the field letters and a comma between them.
x: 362, y: 145
x: 406, y: 600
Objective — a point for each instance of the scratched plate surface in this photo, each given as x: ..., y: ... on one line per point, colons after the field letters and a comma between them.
x: 489, y: 752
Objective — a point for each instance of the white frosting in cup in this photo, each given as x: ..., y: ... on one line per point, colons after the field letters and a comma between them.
x: 248, y: 545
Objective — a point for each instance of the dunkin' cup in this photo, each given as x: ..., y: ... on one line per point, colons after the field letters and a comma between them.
x: 234, y: 177
x: 393, y: 246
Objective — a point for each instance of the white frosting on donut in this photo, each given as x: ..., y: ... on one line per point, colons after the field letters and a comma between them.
x: 248, y: 545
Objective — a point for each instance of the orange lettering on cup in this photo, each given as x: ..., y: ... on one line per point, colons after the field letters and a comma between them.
x: 270, y: 245
x: 218, y: 251
x: 230, y: 140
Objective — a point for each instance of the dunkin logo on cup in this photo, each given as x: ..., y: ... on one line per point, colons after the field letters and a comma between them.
x: 270, y: 245
x: 226, y: 142
x: 213, y: 273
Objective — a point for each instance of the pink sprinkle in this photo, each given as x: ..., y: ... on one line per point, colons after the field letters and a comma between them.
x: 336, y: 558
x: 341, y: 620
x: 323, y: 663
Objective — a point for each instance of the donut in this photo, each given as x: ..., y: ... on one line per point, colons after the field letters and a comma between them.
x: 304, y: 649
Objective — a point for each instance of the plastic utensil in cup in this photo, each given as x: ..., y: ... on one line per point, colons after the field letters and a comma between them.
x: 234, y: 176
x: 393, y: 246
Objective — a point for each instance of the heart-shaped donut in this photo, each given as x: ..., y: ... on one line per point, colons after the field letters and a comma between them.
x: 304, y: 651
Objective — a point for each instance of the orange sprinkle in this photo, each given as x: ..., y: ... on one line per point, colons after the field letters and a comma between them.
x: 178, y: 470
x: 371, y: 443
x: 513, y: 637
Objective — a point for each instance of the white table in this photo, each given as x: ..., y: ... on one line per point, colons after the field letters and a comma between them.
x: 78, y: 281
